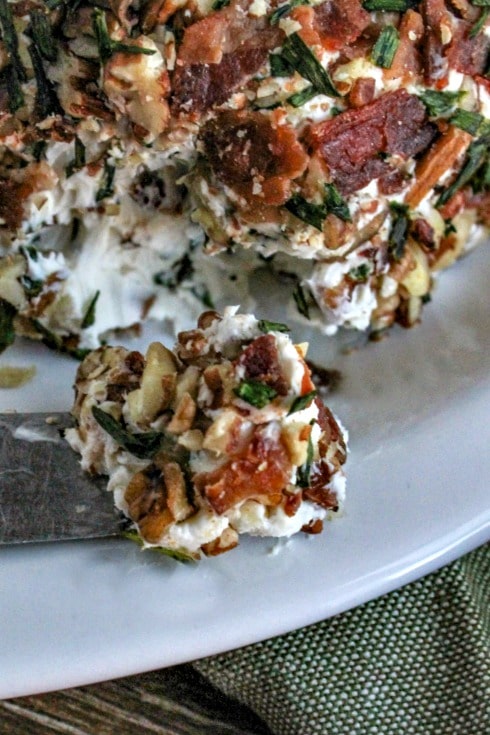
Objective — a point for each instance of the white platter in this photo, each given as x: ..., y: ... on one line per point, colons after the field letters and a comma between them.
x: 417, y: 407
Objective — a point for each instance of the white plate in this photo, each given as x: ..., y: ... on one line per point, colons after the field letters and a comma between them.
x: 417, y: 406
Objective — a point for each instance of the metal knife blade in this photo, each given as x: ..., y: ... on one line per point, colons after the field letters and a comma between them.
x: 44, y: 493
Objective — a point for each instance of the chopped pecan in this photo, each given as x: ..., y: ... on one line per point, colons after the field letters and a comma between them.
x: 146, y: 498
x: 184, y: 415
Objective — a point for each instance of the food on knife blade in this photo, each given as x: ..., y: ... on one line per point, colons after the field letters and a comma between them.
x: 344, y: 143
x: 224, y: 435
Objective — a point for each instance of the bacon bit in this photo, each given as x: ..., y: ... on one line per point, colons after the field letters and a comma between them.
x: 453, y: 206
x: 247, y: 148
x: 351, y: 142
x: 261, y: 362
x: 362, y: 92
x: 465, y: 54
x: 340, y: 22
x: 218, y: 54
x: 407, y: 62
x: 480, y: 202
x: 313, y: 527
x: 441, y: 157
x: 292, y: 504
x: 436, y: 18
x: 11, y: 204
x: 423, y: 232
x: 392, y: 181
x: 261, y: 473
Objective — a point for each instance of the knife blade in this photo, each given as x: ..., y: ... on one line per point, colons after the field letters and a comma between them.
x: 44, y: 493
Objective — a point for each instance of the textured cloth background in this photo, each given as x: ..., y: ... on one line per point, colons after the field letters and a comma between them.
x: 416, y: 661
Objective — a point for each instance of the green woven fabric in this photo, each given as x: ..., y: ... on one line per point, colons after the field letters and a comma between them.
x: 414, y: 662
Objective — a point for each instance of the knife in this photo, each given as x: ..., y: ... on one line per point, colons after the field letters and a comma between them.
x: 44, y: 493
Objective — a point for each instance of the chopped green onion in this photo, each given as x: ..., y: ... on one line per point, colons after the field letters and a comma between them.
x: 180, y: 555
x: 302, y: 402
x: 300, y: 301
x: 46, y: 100
x: 312, y: 214
x: 32, y: 286
x: 14, y: 72
x: 107, y: 46
x: 481, y: 3
x: 218, y: 4
x: 256, y: 393
x: 143, y: 446
x: 336, y: 204
x: 304, y: 472
x: 79, y: 160
x: 89, y: 317
x: 478, y: 26
x: 361, y: 273
x: 440, y: 103
x: 384, y: 49
x: 284, y: 10
x: 266, y: 326
x: 475, y: 158
x: 279, y: 66
x: 107, y: 188
x: 54, y: 342
x: 471, y: 122
x: 43, y: 36
x: 399, y: 230
x: 300, y: 98
x: 7, y: 331
x: 304, y: 61
x: 389, y: 6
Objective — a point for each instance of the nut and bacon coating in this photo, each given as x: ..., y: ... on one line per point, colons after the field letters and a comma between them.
x: 221, y: 436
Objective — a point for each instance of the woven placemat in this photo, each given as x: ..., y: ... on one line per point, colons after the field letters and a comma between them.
x: 416, y: 661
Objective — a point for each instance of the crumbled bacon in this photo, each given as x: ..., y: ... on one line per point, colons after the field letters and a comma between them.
x: 218, y: 54
x: 261, y: 473
x: 260, y: 361
x: 466, y: 54
x: 362, y: 92
x: 253, y: 155
x: 423, y: 232
x: 340, y: 22
x: 352, y: 142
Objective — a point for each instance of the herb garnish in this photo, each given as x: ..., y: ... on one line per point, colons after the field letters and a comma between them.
x: 143, y: 446
x: 266, y: 326
x: 7, y: 331
x: 79, y: 160
x: 279, y: 66
x: 300, y: 301
x: 284, y: 10
x: 89, y: 317
x: 32, y: 286
x: 301, y: 402
x: 440, y: 103
x: 14, y: 72
x: 54, y: 342
x: 46, y: 100
x: 300, y: 98
x: 471, y: 122
x: 107, y: 46
x: 312, y: 214
x: 218, y: 4
x: 256, y: 393
x: 361, y: 273
x: 181, y: 556
x: 399, y: 230
x: 475, y: 158
x: 304, y: 472
x: 389, y: 6
x: 335, y: 204
x: 42, y: 35
x: 384, y: 50
x: 107, y: 188
x: 478, y: 26
x: 298, y: 55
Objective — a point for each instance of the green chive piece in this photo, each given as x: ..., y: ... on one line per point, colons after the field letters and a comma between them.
x: 256, y: 393
x: 181, y: 556
x: 481, y: 3
x: 301, y: 402
x: 46, y: 100
x: 266, y: 326
x: 304, y: 472
x: 361, y: 273
x: 89, y: 317
x: 301, y: 302
x: 300, y: 98
x: 107, y: 46
x: 56, y: 343
x: 7, y: 331
x: 43, y: 36
x: 312, y: 214
x: 218, y: 4
x: 79, y: 160
x: 399, y: 230
x: 336, y: 204
x: 283, y: 10
x: 471, y: 122
x: 440, y: 103
x: 32, y: 286
x: 143, y: 446
x: 279, y: 66
x: 14, y: 72
x: 480, y: 23
x: 475, y: 158
x: 107, y: 188
x: 384, y: 49
x: 304, y: 61
x: 388, y: 6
